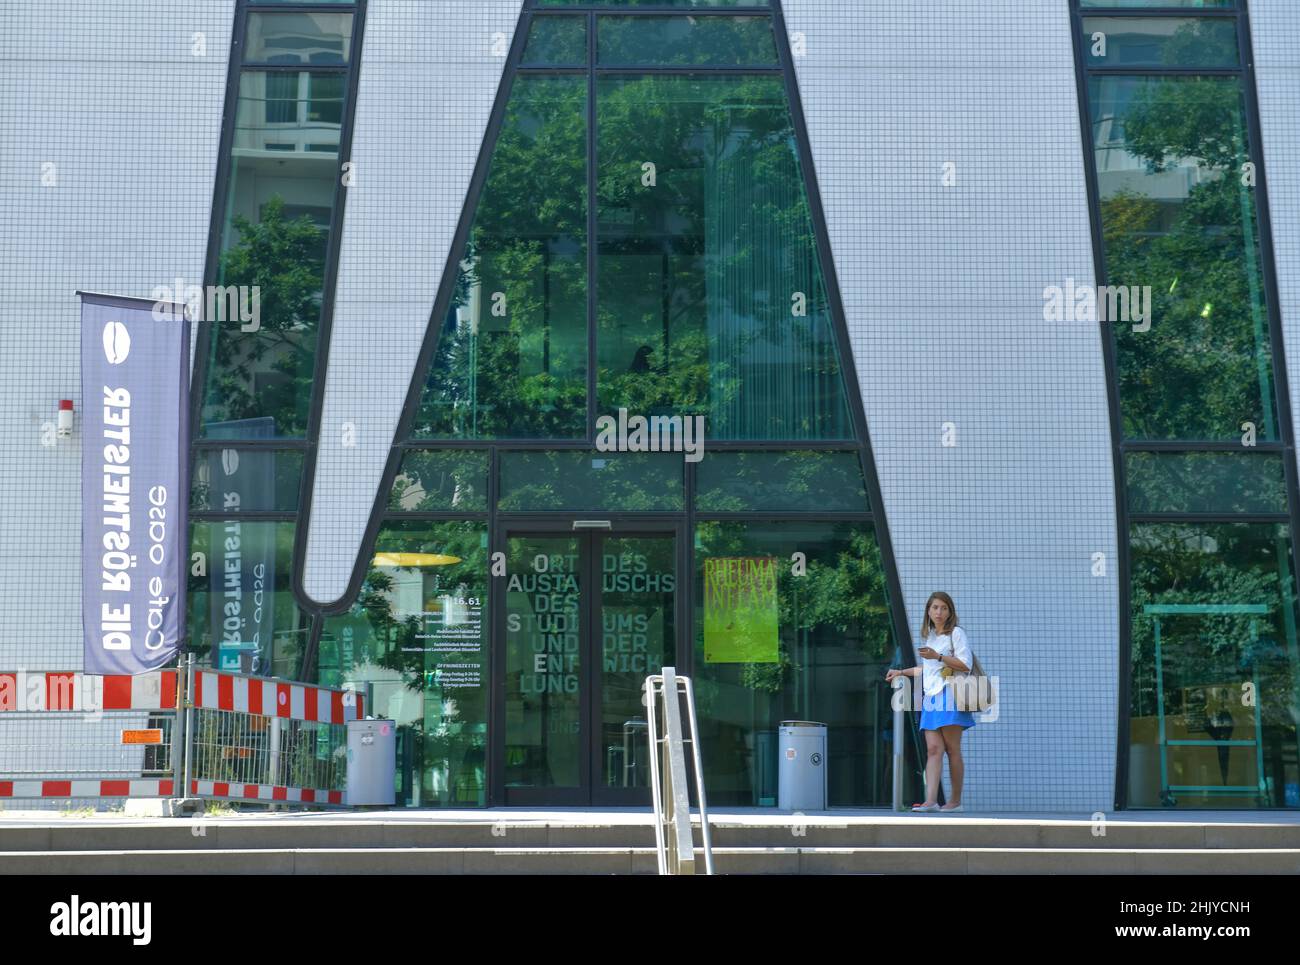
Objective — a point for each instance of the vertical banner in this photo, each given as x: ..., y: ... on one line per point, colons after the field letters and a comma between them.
x: 134, y: 498
x: 741, y: 610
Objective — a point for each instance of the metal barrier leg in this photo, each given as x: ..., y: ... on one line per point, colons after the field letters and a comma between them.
x: 188, y: 728
x: 178, y: 734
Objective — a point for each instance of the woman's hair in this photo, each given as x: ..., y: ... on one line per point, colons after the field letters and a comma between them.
x: 926, y: 625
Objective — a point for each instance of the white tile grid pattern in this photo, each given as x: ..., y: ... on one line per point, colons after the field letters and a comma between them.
x: 1275, y: 34
x: 429, y: 74
x: 943, y: 291
x: 117, y: 99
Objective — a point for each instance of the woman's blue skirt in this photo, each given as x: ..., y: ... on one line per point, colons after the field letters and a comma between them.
x: 939, y: 711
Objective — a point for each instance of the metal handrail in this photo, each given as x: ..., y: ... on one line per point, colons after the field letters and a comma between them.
x: 900, y: 748
x: 670, y: 793
x: 905, y: 698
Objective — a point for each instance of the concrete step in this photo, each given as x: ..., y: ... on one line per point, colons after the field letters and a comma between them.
x: 594, y: 860
x: 630, y: 832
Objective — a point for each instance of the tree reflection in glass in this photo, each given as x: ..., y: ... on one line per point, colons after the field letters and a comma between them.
x: 1178, y: 215
x: 418, y: 636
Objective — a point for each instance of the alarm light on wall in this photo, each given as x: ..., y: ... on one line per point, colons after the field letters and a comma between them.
x: 65, y: 418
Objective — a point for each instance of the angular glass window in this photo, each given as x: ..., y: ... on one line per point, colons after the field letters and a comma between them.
x: 801, y: 481
x: 711, y: 298
x: 511, y: 358
x: 298, y: 38
x: 557, y: 42
x: 1179, y: 224
x: 417, y: 637
x: 1205, y: 482
x: 1161, y: 41
x: 283, y: 174
x: 686, y: 41
x: 1214, y: 619
x: 440, y: 480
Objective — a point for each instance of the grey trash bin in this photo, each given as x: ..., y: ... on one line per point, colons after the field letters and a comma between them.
x: 801, y: 771
x: 372, y: 762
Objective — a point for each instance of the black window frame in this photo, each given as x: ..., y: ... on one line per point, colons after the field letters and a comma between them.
x: 1285, y: 444
x: 497, y: 521
x: 203, y: 339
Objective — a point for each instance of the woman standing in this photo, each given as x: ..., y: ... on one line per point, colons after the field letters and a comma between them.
x: 941, y: 722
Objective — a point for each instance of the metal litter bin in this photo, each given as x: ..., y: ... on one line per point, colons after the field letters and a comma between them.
x: 802, y: 766
x: 372, y: 762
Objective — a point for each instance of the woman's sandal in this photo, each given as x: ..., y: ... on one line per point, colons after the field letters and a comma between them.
x: 947, y: 810
x: 925, y: 807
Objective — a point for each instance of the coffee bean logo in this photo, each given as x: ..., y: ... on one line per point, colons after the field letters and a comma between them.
x: 117, y: 343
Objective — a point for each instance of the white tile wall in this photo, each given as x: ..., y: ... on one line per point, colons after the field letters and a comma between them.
x: 125, y: 101
x: 1275, y: 34
x: 429, y: 74
x: 943, y: 290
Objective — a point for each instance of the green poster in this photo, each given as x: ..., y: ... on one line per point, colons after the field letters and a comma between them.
x: 740, y: 611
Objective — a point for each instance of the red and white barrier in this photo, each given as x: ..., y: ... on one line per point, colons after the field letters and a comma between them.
x: 86, y: 788
x: 215, y: 690
x: 55, y: 692
x: 264, y: 792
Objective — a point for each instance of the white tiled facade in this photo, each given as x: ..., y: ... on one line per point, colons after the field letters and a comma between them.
x: 110, y: 123
x: 1275, y: 35
x: 942, y: 281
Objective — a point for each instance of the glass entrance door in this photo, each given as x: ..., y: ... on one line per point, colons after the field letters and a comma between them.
x: 585, y: 617
x: 546, y: 639
x: 637, y: 621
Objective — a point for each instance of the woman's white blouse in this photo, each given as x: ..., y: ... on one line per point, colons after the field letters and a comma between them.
x: 954, y: 644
